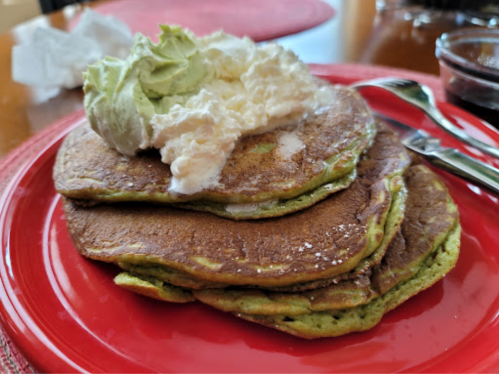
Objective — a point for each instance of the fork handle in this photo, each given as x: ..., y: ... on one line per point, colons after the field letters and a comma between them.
x: 439, y: 119
x: 473, y: 170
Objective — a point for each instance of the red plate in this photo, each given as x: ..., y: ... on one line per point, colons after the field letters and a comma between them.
x: 65, y: 314
x: 258, y: 19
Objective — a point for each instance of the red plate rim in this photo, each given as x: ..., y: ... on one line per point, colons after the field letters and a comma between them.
x: 17, y: 320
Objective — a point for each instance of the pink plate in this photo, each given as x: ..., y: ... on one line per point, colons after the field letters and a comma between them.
x: 65, y: 314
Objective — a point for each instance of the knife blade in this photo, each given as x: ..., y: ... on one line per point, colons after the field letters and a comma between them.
x: 448, y: 159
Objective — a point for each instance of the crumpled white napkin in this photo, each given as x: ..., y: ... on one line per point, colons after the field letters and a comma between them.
x: 55, y: 58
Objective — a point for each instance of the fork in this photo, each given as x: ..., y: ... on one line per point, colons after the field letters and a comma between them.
x: 422, y: 97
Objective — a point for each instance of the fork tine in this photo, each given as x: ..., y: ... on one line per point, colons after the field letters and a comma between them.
x: 407, y: 81
x: 400, y: 83
x: 391, y: 83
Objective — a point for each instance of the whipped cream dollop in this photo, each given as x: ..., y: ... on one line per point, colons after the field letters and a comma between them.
x: 237, y: 88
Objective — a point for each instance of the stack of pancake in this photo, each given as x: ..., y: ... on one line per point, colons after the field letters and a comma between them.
x: 316, y: 229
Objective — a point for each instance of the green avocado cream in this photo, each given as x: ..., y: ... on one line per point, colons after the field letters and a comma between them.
x: 122, y: 96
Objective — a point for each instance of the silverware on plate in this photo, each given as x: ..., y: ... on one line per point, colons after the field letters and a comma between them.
x: 448, y: 159
x: 422, y: 97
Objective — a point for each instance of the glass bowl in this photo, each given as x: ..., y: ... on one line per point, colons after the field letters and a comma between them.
x: 469, y: 68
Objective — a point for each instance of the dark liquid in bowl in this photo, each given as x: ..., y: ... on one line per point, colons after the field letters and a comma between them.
x: 483, y: 111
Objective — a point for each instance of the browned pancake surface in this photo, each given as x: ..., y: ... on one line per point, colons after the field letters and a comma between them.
x: 430, y: 216
x: 326, y: 239
x: 86, y: 168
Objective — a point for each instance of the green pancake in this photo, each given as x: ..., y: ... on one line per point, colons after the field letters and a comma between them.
x: 154, y: 288
x: 364, y: 317
x: 294, y: 316
x: 273, y: 208
x: 425, y: 248
x: 199, y: 250
x: 326, y: 147
x: 392, y: 224
x: 393, y: 221
x: 430, y: 216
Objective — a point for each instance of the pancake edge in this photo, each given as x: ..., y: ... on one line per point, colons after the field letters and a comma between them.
x: 361, y: 318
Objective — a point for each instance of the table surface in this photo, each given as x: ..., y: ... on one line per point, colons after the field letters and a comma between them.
x: 357, y: 33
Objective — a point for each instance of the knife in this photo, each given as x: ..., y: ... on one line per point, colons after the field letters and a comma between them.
x: 448, y: 159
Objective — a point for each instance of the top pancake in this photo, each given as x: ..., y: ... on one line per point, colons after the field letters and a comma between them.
x: 327, y: 239
x: 262, y: 167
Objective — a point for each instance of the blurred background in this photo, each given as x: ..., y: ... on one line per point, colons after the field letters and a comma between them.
x: 391, y: 33
x: 361, y: 30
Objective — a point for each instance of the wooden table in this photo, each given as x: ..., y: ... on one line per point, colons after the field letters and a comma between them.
x: 367, y: 37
